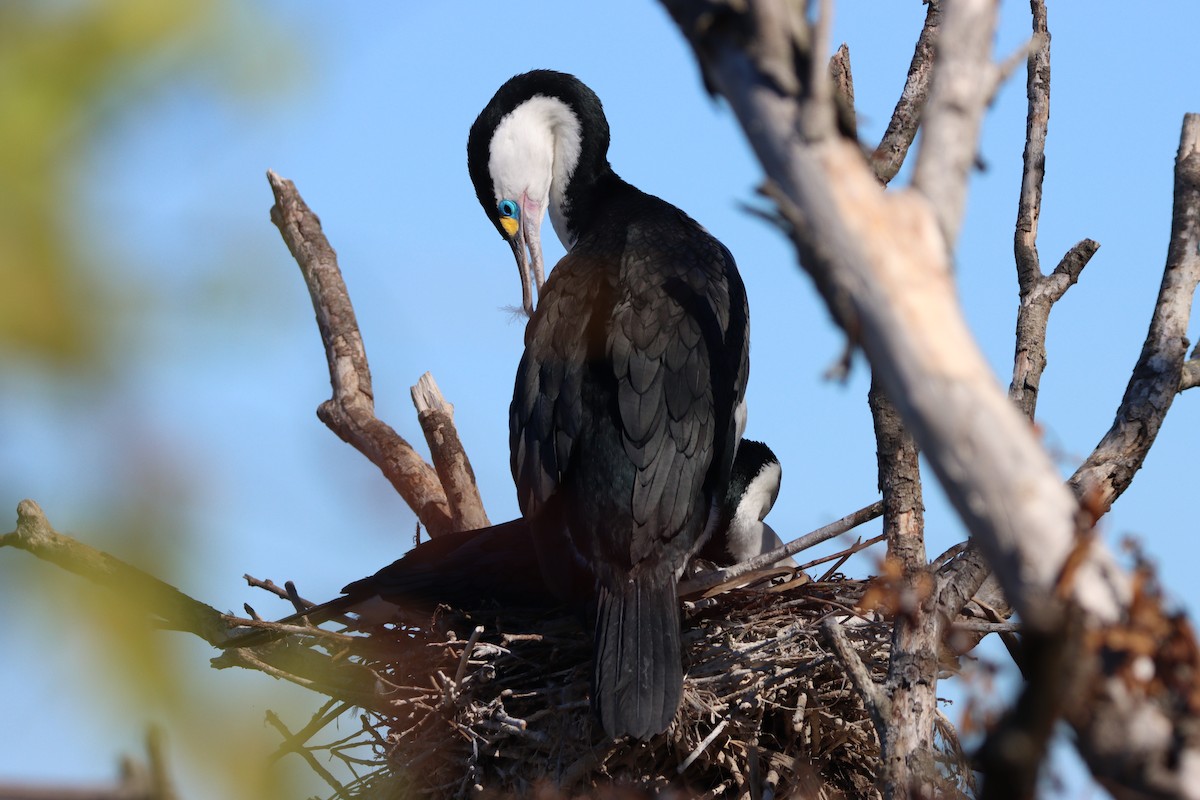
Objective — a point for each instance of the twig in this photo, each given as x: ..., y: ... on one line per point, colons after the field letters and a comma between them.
x: 978, y: 626
x: 700, y: 748
x: 315, y: 765
x: 843, y: 90
x: 350, y: 413
x: 1158, y: 374
x: 285, y: 628
x: 842, y: 555
x: 343, y: 680
x: 1190, y: 378
x: 877, y: 703
x: 906, y: 118
x: 178, y: 611
x: 436, y: 416
x: 1037, y: 120
x: 468, y: 648
x: 1038, y: 292
x: 962, y: 73
x: 272, y: 587
x: 708, y: 580
x: 293, y: 595
x: 319, y: 720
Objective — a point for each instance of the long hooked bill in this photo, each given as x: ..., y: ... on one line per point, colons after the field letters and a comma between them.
x: 529, y: 265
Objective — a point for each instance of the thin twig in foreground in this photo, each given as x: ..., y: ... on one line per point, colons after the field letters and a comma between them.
x: 708, y: 580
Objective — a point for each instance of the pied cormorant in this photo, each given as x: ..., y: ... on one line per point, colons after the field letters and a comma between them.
x: 629, y: 398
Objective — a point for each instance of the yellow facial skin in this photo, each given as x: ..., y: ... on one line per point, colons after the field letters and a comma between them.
x: 510, y: 225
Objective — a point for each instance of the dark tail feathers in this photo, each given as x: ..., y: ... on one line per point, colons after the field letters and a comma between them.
x: 637, y: 676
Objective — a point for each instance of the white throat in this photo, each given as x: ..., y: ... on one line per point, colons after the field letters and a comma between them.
x: 533, y: 155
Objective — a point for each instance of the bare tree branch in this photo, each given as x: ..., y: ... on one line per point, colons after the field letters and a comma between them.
x: 1029, y: 208
x: 958, y: 96
x: 1158, y: 374
x: 843, y: 94
x: 313, y: 763
x: 1057, y: 671
x: 882, y: 264
x: 1191, y: 374
x: 35, y: 535
x: 907, y: 729
x: 179, y: 612
x: 1038, y: 293
x: 436, y: 416
x: 876, y: 700
x: 137, y: 781
x: 965, y: 585
x: 906, y: 118
x: 350, y: 413
x: 900, y: 484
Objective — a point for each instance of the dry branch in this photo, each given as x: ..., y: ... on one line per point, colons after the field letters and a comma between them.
x: 1191, y: 374
x: 882, y: 264
x: 175, y: 609
x: 316, y: 766
x: 906, y: 118
x: 905, y: 725
x: 436, y: 416
x: 843, y: 90
x: 350, y: 413
x: 1159, y: 373
x: 1037, y: 122
x: 1038, y: 292
x: 959, y: 94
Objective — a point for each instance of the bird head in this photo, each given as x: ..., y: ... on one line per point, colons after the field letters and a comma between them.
x: 752, y: 491
x: 526, y: 153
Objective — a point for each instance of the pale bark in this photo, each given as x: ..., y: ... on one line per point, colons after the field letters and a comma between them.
x: 350, y: 413
x: 436, y: 415
x: 882, y: 263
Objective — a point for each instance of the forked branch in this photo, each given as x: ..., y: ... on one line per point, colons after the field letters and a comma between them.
x: 350, y: 413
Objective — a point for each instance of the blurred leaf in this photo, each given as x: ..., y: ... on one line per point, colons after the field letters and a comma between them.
x: 66, y: 69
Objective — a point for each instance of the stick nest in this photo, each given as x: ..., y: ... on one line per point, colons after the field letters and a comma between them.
x: 495, y: 703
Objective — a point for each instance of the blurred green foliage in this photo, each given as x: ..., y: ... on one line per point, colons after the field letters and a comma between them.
x: 67, y: 68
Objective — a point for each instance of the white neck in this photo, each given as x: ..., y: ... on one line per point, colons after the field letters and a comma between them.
x: 533, y: 155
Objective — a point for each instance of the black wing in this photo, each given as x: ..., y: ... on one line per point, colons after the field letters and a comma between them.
x: 624, y: 400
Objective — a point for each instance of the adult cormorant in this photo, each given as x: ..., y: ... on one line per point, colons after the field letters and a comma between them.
x: 629, y: 398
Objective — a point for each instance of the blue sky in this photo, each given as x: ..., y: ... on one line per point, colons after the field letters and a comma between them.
x: 213, y: 400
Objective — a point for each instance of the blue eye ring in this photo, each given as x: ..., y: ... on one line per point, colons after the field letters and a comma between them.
x: 508, y: 208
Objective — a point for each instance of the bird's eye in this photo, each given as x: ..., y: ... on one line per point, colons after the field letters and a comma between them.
x: 508, y: 208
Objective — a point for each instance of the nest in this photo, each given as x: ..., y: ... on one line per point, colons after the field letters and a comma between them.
x: 495, y: 703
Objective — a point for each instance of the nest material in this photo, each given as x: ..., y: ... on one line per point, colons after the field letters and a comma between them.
x: 495, y: 703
